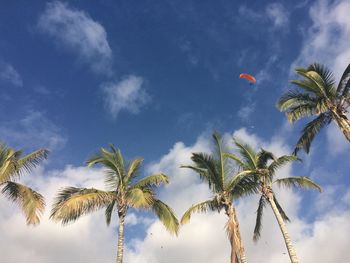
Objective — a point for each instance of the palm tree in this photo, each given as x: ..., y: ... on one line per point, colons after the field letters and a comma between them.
x: 215, y: 170
x: 125, y: 190
x: 13, y: 165
x: 261, y: 168
x: 318, y: 97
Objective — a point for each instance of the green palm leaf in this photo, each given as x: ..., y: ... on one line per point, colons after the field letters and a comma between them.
x: 140, y: 197
x: 108, y: 212
x: 263, y: 157
x: 281, y: 211
x: 247, y: 153
x: 32, y: 203
x: 281, y: 161
x: 133, y: 169
x: 152, y: 180
x: 259, y: 215
x: 166, y: 216
x: 300, y: 111
x: 294, y: 98
x: 298, y: 181
x: 71, y: 203
x: 203, y: 207
x: 310, y: 130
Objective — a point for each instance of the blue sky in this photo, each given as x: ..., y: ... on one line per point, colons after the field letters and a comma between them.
x: 155, y: 78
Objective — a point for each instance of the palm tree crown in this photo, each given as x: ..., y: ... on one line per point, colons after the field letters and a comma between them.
x: 320, y: 97
x: 13, y: 165
x: 125, y: 190
x: 215, y: 170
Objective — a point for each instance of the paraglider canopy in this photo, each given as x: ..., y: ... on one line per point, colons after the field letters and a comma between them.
x: 248, y: 77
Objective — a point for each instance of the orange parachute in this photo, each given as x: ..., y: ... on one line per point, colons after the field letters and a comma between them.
x: 248, y: 77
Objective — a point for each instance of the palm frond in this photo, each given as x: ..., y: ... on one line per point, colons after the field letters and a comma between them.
x: 166, y: 216
x: 221, y: 160
x: 238, y: 160
x: 298, y: 181
x: 280, y: 210
x: 71, y: 203
x: 281, y: 161
x: 32, y: 160
x: 133, y: 169
x: 110, y: 160
x: 112, y: 180
x: 203, y: 207
x: 235, y: 180
x: 344, y: 83
x: 308, y: 86
x: 259, y: 215
x: 108, y: 212
x: 324, y: 77
x: 31, y: 202
x: 248, y: 185
x: 140, y: 197
x: 300, y: 111
x: 12, y: 165
x: 314, y: 82
x: 247, y: 153
x: 263, y: 157
x: 310, y: 130
x: 205, y: 162
x: 294, y: 98
x: 151, y: 180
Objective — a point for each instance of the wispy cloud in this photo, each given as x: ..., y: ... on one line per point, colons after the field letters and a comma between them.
x: 78, y: 32
x: 279, y: 16
x: 33, y: 131
x: 274, y: 13
x: 245, y: 112
x: 125, y: 95
x: 10, y: 75
x: 327, y: 39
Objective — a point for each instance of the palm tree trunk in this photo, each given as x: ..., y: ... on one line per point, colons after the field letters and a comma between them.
x: 287, y: 240
x: 121, y: 238
x: 237, y: 247
x: 343, y: 123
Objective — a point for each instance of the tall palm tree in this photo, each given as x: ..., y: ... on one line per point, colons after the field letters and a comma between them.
x: 125, y: 190
x: 319, y: 97
x: 215, y: 170
x: 13, y: 165
x: 261, y: 167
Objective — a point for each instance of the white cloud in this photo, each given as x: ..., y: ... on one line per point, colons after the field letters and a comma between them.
x: 9, y: 74
x: 50, y: 242
x: 77, y: 31
x: 278, y: 15
x: 202, y: 240
x: 326, y: 40
x: 125, y: 95
x: 33, y: 131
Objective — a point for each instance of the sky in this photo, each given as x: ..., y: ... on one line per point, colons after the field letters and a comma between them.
x: 156, y: 78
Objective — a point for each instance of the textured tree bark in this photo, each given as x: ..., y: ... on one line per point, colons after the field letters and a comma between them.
x: 282, y: 225
x: 237, y: 247
x: 120, y: 238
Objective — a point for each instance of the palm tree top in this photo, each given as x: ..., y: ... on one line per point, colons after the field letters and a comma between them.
x: 126, y: 189
x: 317, y: 95
x: 14, y: 164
